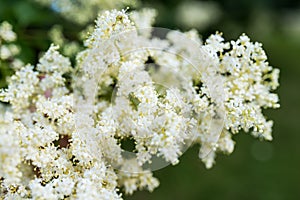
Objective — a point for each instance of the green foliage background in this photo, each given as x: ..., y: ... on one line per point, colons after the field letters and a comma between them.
x: 256, y: 170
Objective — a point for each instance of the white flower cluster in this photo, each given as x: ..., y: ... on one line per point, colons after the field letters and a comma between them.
x: 62, y: 137
x: 8, y: 50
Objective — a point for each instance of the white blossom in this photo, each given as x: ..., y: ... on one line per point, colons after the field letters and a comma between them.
x: 67, y: 123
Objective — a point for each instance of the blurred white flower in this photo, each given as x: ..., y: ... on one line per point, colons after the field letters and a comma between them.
x: 82, y: 11
x: 197, y: 14
x: 8, y: 50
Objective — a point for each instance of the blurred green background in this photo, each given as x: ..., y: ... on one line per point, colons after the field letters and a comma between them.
x: 255, y: 170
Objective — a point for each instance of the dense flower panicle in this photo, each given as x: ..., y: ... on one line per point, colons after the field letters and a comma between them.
x: 67, y: 124
x: 9, y: 159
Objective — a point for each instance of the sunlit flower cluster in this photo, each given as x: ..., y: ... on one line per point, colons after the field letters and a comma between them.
x: 62, y: 136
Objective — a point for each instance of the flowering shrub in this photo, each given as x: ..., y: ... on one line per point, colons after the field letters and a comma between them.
x: 62, y: 136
